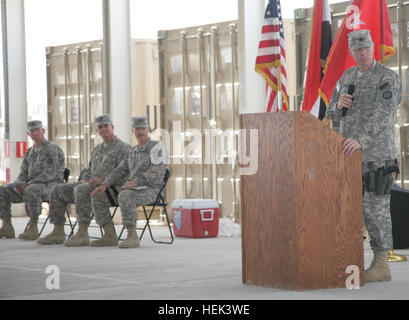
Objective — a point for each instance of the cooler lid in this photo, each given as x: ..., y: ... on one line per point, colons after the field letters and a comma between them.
x: 195, y: 203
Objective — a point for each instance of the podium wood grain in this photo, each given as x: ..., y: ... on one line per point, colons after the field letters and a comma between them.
x: 302, y: 210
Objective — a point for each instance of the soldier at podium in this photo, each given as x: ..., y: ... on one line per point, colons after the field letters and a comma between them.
x: 363, y: 110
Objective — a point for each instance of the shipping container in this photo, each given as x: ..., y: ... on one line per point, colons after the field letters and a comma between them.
x: 399, y: 16
x: 199, y: 101
x: 75, y: 95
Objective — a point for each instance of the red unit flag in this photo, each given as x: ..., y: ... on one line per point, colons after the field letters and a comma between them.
x: 362, y: 14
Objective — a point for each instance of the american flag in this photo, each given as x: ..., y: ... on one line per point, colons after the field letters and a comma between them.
x: 270, y: 61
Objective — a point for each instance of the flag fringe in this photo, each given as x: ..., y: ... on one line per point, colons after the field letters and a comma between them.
x: 271, y: 83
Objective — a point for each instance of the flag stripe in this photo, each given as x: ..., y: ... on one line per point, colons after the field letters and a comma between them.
x: 270, y: 28
x: 270, y: 61
x: 269, y: 43
x: 320, y: 44
x: 273, y: 76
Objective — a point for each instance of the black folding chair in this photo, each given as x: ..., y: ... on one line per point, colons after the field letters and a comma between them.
x: 66, y: 176
x: 159, y: 202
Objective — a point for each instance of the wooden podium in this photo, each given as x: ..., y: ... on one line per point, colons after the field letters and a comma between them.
x: 302, y: 210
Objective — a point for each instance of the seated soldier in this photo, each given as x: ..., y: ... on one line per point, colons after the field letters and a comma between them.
x: 105, y: 158
x: 42, y: 168
x: 145, y: 178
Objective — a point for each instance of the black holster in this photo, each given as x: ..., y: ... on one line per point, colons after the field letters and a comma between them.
x: 380, y: 180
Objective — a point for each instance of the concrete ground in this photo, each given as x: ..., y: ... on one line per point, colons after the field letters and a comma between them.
x: 189, y: 269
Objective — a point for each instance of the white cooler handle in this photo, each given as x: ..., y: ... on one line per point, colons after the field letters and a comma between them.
x: 202, y: 212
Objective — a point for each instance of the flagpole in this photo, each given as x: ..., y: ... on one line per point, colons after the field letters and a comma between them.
x: 279, y: 95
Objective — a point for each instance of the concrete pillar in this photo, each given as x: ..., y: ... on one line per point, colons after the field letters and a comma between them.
x: 15, y: 93
x: 118, y: 38
x: 252, y: 85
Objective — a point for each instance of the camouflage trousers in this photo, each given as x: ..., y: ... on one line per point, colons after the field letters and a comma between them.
x: 80, y: 195
x: 130, y: 200
x: 33, y: 197
x: 377, y: 216
x: 101, y: 205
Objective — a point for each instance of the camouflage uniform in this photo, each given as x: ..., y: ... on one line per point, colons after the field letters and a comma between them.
x: 370, y: 120
x: 104, y: 159
x: 139, y: 168
x: 42, y: 168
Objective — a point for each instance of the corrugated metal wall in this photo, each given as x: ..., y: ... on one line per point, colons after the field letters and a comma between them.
x: 75, y: 94
x: 199, y: 97
x: 399, y: 16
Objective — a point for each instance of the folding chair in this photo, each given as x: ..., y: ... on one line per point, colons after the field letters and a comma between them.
x: 159, y: 202
x: 66, y: 176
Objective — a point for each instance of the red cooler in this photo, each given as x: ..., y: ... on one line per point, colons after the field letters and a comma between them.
x: 195, y: 218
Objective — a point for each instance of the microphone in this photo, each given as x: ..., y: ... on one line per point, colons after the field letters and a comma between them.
x: 351, y: 90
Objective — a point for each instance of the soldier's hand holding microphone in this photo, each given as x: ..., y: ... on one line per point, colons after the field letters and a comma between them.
x: 344, y: 103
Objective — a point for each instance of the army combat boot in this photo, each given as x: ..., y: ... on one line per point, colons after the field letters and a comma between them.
x: 379, y: 269
x: 7, y: 230
x: 109, y: 238
x: 55, y: 237
x: 32, y: 231
x: 81, y: 238
x: 132, y: 240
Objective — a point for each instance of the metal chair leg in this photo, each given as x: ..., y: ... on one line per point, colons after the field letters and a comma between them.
x: 147, y: 223
x: 149, y: 227
x: 122, y: 231
x: 72, y: 227
x: 170, y: 228
x: 45, y: 222
x: 113, y: 214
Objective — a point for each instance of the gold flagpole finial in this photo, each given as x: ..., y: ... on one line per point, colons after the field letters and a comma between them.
x: 392, y: 257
